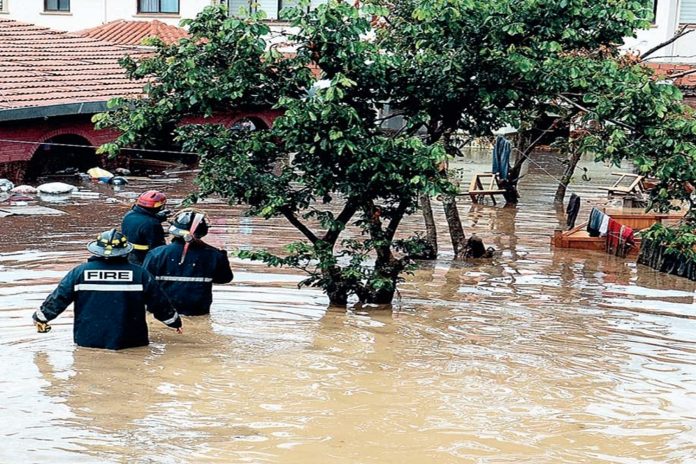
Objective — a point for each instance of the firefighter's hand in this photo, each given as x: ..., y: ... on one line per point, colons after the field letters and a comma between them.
x: 179, y: 330
x: 41, y: 326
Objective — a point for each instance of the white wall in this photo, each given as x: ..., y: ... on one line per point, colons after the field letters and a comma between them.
x: 90, y: 13
x: 667, y: 22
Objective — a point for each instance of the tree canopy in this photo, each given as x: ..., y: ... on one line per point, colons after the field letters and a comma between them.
x: 448, y: 67
x: 325, y: 163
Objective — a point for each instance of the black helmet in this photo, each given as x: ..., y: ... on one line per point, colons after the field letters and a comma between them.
x: 110, y: 244
x: 183, y: 221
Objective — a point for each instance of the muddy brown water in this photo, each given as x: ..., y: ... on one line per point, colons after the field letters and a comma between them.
x: 536, y: 356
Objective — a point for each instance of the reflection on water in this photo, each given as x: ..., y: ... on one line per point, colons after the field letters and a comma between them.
x: 536, y: 356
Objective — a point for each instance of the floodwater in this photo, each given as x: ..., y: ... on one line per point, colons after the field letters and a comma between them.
x: 537, y: 356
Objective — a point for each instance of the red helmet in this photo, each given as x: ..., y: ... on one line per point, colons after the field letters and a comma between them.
x: 151, y: 199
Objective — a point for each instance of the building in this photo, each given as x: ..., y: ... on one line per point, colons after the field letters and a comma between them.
x: 671, y: 16
x: 73, y: 15
x: 51, y: 83
x: 270, y: 7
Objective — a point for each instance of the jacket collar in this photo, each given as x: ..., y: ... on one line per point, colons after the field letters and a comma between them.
x: 116, y: 259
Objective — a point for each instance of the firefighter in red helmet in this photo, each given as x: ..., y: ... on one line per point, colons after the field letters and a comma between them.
x: 143, y: 224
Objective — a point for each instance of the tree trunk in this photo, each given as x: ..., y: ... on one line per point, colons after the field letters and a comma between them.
x: 573, y: 159
x: 336, y: 289
x: 387, y: 267
x: 450, y: 205
x: 455, y: 226
x: 430, y: 229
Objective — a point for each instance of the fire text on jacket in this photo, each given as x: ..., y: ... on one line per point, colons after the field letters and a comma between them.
x: 92, y: 275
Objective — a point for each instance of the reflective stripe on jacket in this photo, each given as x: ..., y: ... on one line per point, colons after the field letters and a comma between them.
x: 110, y: 297
x: 189, y: 286
x: 144, y: 230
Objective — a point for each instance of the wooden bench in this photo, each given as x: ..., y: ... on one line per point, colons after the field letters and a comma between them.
x: 477, y: 191
x: 633, y: 185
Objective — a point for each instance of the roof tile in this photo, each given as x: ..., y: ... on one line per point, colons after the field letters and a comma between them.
x: 40, y: 66
x: 134, y: 32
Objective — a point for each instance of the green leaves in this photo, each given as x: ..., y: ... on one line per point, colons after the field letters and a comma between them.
x: 324, y: 161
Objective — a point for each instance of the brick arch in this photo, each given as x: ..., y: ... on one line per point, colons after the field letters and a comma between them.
x: 85, y: 133
x: 47, y: 158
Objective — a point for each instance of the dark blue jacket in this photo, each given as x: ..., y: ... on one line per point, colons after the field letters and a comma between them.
x: 189, y: 286
x: 110, y: 296
x: 144, y: 230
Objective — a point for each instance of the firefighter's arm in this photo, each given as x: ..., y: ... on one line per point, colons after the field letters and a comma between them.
x: 156, y: 234
x: 223, y: 272
x: 56, y: 302
x: 158, y: 303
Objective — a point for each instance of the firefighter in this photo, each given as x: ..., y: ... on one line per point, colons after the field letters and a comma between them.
x: 187, y: 268
x: 143, y: 224
x: 110, y: 296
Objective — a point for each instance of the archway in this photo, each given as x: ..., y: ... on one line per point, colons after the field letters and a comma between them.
x: 67, y: 153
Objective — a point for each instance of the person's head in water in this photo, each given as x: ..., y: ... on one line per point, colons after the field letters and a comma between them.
x: 152, y: 200
x: 187, y: 220
x: 110, y: 244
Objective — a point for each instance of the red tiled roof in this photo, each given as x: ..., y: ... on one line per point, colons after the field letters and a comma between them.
x: 42, y: 67
x: 133, y: 32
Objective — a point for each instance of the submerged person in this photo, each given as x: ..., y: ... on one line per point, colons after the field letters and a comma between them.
x: 143, y: 224
x: 187, y: 268
x: 110, y: 296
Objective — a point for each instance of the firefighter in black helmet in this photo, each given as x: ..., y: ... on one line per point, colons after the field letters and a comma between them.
x: 187, y: 268
x: 110, y: 296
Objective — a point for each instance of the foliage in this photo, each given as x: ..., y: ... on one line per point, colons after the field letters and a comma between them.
x: 476, y: 65
x: 679, y: 240
x: 324, y: 165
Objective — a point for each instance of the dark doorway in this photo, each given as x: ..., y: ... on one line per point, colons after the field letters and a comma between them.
x: 62, y: 154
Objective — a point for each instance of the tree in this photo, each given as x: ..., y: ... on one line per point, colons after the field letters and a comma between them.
x: 473, y: 66
x: 325, y: 165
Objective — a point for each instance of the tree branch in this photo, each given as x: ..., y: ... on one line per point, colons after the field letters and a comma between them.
x: 290, y: 216
x: 396, y: 220
x: 681, y: 74
x: 682, y: 32
x: 393, y: 115
x: 525, y: 154
x: 586, y: 110
x: 344, y: 216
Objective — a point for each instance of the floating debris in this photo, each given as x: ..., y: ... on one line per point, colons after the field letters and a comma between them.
x: 86, y: 194
x: 118, y: 180
x: 29, y: 211
x: 100, y: 175
x: 6, y: 185
x: 56, y: 188
x: 25, y: 190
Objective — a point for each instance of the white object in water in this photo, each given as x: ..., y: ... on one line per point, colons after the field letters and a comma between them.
x: 24, y: 189
x: 6, y: 185
x: 99, y: 173
x: 56, y: 188
x: 85, y: 194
